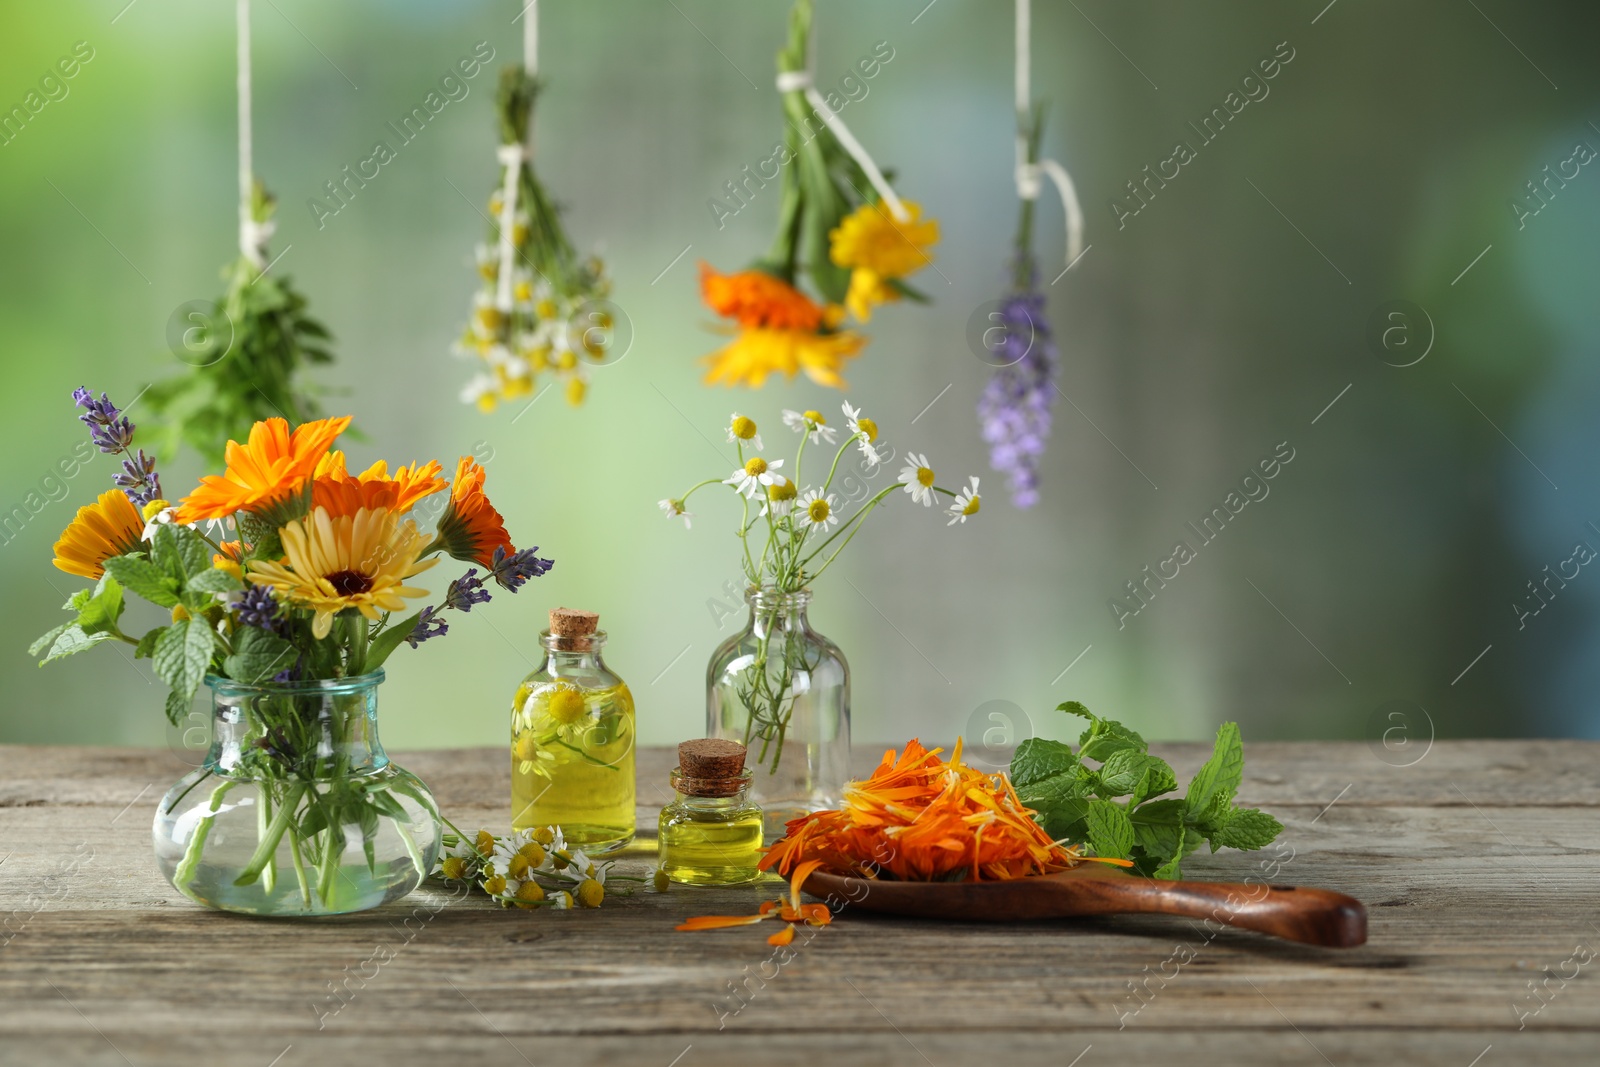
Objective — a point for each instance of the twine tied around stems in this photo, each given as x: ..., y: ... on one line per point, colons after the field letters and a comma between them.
x: 1028, y: 170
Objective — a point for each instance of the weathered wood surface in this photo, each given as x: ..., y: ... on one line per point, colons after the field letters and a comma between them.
x: 1478, y: 864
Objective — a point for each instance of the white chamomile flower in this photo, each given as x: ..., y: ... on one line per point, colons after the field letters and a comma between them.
x: 918, y: 479
x: 561, y: 900
x: 816, y: 510
x: 480, y: 386
x: 966, y: 504
x: 223, y: 529
x: 780, y: 498
x: 865, y: 432
x: 756, y: 473
x: 459, y: 861
x: 674, y: 509
x: 742, y: 431
x: 156, y: 517
x: 812, y: 423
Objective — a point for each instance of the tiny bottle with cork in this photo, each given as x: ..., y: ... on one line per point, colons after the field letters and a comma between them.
x: 711, y: 832
x: 572, y: 736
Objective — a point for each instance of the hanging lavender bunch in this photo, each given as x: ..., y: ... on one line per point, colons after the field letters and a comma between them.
x: 1014, y: 408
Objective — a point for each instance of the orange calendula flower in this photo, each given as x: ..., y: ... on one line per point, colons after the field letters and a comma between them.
x: 270, y: 469
x: 111, y: 526
x: 755, y: 298
x: 470, y: 528
x: 920, y: 818
x: 756, y: 353
x: 333, y: 487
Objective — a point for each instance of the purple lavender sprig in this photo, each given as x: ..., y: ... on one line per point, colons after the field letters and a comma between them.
x: 112, y: 433
x: 428, y: 625
x: 466, y: 591
x: 511, y: 571
x: 1015, y: 406
x: 259, y: 608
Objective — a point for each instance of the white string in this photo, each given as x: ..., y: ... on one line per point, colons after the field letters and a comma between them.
x: 1028, y: 181
x: 801, y: 81
x: 511, y: 157
x: 251, y: 236
x: 530, y: 38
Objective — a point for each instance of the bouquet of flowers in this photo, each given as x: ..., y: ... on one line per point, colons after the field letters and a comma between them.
x: 245, y: 356
x: 287, y: 598
x: 798, y: 532
x: 856, y: 247
x: 537, y: 310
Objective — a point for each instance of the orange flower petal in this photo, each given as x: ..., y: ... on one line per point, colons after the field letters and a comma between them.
x: 782, y: 937
x: 718, y: 922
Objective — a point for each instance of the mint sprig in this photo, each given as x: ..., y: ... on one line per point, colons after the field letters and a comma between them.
x: 1078, y: 802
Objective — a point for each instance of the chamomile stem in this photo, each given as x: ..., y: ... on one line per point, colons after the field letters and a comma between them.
x: 853, y: 522
x: 698, y: 485
x: 837, y: 457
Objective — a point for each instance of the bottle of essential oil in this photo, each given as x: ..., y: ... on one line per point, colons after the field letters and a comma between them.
x: 711, y: 832
x: 572, y: 733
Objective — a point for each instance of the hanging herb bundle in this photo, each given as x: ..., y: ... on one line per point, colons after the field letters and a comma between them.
x: 246, y: 361
x: 840, y: 227
x: 534, y: 312
x: 1015, y: 407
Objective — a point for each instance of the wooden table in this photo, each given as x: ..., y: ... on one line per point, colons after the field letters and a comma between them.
x: 1478, y: 864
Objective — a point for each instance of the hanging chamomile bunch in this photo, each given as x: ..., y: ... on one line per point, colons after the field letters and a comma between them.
x: 840, y: 226
x: 1015, y: 407
x: 246, y: 353
x: 537, y: 311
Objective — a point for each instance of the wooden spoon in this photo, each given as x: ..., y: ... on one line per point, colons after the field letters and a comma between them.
x: 1311, y: 916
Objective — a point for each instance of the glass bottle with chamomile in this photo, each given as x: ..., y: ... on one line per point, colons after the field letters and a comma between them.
x: 572, y: 734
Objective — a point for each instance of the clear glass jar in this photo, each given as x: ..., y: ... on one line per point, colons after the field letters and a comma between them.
x: 296, y: 809
x: 572, y: 736
x: 710, y: 840
x: 783, y: 691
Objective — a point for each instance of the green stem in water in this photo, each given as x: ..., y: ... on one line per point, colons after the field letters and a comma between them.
x: 411, y: 848
x: 300, y: 871
x: 328, y: 866
x: 197, y: 842
x: 269, y: 873
x: 268, y: 845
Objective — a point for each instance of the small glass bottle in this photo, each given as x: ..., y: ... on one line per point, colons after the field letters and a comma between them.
x: 572, y: 735
x: 711, y: 832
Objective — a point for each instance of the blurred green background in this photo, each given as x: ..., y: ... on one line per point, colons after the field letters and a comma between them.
x: 1219, y: 321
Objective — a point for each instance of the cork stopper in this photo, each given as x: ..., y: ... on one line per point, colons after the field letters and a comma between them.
x: 710, y: 767
x: 571, y: 628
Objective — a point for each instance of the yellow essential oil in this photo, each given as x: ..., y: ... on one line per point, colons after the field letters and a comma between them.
x: 711, y: 832
x: 572, y: 738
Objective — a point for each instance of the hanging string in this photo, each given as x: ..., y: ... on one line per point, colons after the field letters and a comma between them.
x: 511, y: 157
x: 801, y: 81
x: 252, y: 235
x: 1028, y: 171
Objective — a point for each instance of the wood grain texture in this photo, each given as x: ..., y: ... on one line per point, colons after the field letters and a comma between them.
x: 1478, y: 865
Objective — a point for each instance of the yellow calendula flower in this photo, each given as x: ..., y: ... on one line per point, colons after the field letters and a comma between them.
x: 757, y: 353
x: 111, y: 526
x: 871, y: 238
x: 356, y: 561
x: 867, y: 290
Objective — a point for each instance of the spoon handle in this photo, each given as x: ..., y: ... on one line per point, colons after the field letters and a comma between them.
x: 1310, y: 916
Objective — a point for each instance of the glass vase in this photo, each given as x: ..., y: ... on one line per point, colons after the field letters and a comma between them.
x: 783, y: 691
x: 296, y: 809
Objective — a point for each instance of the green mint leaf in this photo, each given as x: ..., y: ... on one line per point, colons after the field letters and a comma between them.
x: 388, y: 641
x: 178, y: 706
x: 1104, y: 736
x: 180, y: 551
x: 147, y: 643
x: 213, y: 580
x: 1172, y: 868
x: 144, y: 579
x: 1126, y: 769
x: 66, y: 641
x: 1247, y: 829
x: 257, y: 656
x: 1037, y: 759
x: 1158, y: 778
x: 1218, y: 780
x: 1110, y: 831
x: 102, y: 611
x: 77, y: 600
x: 180, y: 657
